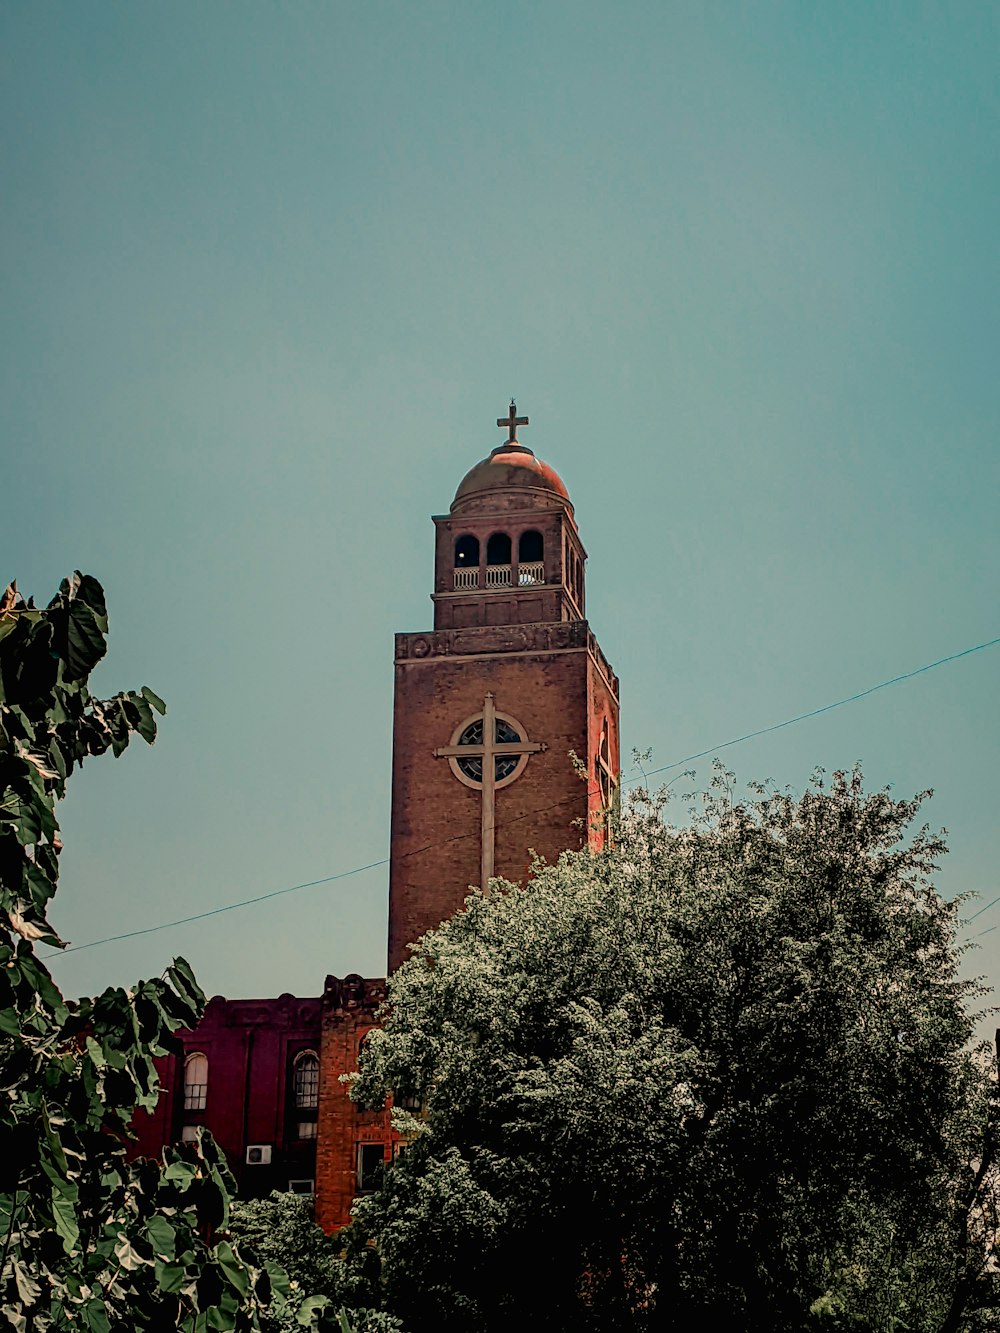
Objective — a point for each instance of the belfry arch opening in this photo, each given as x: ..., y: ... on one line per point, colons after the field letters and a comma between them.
x: 498, y: 549
x: 466, y: 552
x: 530, y: 547
x: 498, y: 552
x: 530, y: 557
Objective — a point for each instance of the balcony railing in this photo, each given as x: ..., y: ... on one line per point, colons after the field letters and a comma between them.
x: 499, y: 576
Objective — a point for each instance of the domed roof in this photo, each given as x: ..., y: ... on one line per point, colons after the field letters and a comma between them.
x: 509, y: 466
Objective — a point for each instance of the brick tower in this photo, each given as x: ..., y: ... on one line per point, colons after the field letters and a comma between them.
x: 491, y: 706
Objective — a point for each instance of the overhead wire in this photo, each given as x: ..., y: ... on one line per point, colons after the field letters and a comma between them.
x: 458, y: 837
x: 815, y: 712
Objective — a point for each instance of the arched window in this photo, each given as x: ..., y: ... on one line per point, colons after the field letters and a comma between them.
x: 498, y: 549
x: 306, y: 1080
x: 466, y: 552
x: 195, y: 1082
x: 529, y: 547
x: 530, y: 566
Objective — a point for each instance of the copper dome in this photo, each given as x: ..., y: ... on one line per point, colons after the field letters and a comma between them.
x: 510, y: 465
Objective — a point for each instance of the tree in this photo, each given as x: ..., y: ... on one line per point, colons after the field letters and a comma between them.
x: 718, y: 1072
x: 281, y: 1229
x: 88, y: 1241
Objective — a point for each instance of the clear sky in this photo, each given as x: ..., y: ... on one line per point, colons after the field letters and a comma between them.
x: 270, y: 272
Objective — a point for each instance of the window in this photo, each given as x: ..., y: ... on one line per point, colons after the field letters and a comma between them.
x: 529, y: 547
x: 498, y: 549
x: 306, y: 1079
x: 305, y: 1094
x: 195, y: 1082
x: 530, y: 564
x: 189, y: 1133
x: 306, y: 1187
x: 371, y: 1157
x: 466, y: 552
x: 504, y: 764
x: 506, y: 751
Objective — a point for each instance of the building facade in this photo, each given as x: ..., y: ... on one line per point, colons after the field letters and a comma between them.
x: 505, y: 747
x: 249, y: 1073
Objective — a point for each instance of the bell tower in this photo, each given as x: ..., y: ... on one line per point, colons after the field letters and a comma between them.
x: 494, y: 703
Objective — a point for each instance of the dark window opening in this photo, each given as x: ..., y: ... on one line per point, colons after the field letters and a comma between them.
x: 498, y: 549
x: 371, y: 1158
x: 529, y: 547
x: 466, y: 552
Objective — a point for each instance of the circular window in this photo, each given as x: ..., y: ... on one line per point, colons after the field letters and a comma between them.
x: 507, y: 750
x: 503, y: 764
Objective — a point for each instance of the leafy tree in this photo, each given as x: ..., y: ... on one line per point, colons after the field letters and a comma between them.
x: 87, y: 1240
x: 717, y: 1073
x: 281, y: 1229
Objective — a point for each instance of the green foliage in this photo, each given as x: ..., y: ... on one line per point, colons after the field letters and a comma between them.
x: 87, y: 1240
x: 719, y: 1074
x: 280, y: 1229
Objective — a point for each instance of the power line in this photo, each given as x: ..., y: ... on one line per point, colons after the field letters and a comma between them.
x: 971, y: 918
x: 815, y: 712
x: 217, y: 911
x: 458, y: 837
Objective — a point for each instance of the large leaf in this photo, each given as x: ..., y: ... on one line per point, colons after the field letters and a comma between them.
x: 142, y: 719
x: 154, y: 700
x: 310, y: 1307
x: 96, y: 1315
x: 127, y: 1255
x: 162, y: 1236
x: 85, y: 643
x: 233, y: 1268
x: 170, y: 1277
x: 88, y: 590
x: 64, y: 1216
x: 27, y: 1288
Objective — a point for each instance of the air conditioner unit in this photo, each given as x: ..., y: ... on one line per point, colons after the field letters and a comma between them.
x: 258, y: 1154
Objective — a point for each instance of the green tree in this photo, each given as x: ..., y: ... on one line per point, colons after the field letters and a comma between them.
x: 281, y: 1229
x: 720, y: 1072
x: 87, y: 1240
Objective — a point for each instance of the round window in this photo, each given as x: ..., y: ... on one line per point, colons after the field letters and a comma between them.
x: 493, y: 738
x: 503, y: 764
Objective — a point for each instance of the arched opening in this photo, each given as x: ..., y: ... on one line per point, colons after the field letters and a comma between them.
x: 466, y: 552
x: 305, y: 1090
x: 498, y: 549
x: 195, y: 1082
x: 306, y: 1080
x: 498, y: 561
x: 530, y: 564
x: 529, y: 547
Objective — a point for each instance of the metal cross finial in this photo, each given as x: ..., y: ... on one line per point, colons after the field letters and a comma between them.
x: 512, y: 422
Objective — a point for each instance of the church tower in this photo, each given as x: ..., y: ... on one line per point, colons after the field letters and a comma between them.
x: 505, y: 725
x: 505, y: 743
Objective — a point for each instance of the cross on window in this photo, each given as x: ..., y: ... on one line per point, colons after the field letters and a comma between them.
x: 487, y: 752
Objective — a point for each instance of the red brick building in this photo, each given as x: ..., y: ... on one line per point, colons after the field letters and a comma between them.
x: 499, y: 711
x: 250, y: 1074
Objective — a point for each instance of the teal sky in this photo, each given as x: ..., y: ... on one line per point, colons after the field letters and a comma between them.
x: 271, y: 272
